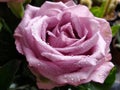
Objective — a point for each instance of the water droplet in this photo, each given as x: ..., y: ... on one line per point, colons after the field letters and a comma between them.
x: 72, y: 79
x: 101, y: 75
x: 38, y: 64
x: 86, y: 62
x: 65, y: 76
x: 33, y: 28
x: 78, y: 78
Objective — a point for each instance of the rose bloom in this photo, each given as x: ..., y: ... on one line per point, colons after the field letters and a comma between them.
x: 64, y: 44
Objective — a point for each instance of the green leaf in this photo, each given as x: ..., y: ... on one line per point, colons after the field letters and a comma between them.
x: 111, y: 77
x: 27, y: 1
x: 1, y: 25
x: 38, y: 2
x: 118, y: 36
x: 4, y: 25
x: 7, y: 73
x: 115, y: 29
x: 16, y: 8
x: 98, y: 11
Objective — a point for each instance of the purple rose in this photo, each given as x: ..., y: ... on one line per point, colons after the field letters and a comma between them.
x: 64, y: 44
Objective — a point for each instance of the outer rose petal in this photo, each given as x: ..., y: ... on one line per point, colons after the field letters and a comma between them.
x: 80, y: 10
x: 29, y: 14
x: 51, y: 9
x: 46, y: 85
x: 101, y: 72
x: 105, y: 32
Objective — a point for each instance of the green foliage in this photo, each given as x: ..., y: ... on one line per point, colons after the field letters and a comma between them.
x: 98, y: 11
x: 4, y: 25
x: 7, y: 47
x: 7, y: 73
x: 115, y: 29
x: 92, y: 85
x: 38, y: 2
x: 116, y: 33
x: 118, y: 36
x: 104, y: 9
x: 1, y: 26
x: 27, y: 1
x: 16, y: 8
x: 24, y: 79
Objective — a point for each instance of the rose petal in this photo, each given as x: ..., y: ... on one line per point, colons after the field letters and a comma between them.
x: 19, y: 32
x: 43, y: 67
x: 78, y: 42
x: 39, y: 33
x: 99, y: 50
x: 79, y: 10
x: 68, y: 30
x: 82, y: 48
x: 30, y: 12
x: 70, y: 3
x: 78, y: 27
x: 63, y: 41
x: 102, y: 72
x: 65, y: 18
x: 70, y: 63
x: 47, y: 85
x: 75, y: 78
x: 105, y: 32
x: 51, y: 9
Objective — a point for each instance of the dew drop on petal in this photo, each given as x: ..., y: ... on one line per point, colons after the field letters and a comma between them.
x: 72, y: 79
x: 65, y: 76
x: 101, y: 75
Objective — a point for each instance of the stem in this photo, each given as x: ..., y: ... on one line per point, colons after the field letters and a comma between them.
x: 107, y: 5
